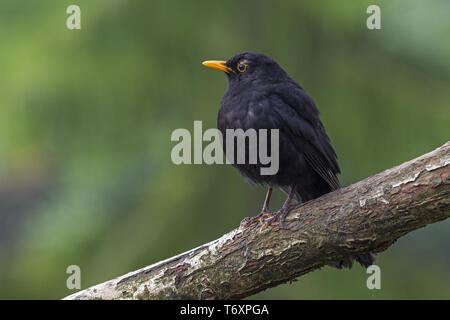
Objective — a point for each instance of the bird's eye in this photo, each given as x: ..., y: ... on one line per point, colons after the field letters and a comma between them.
x: 242, y: 67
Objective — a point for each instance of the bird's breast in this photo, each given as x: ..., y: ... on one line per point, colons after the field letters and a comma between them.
x: 242, y: 112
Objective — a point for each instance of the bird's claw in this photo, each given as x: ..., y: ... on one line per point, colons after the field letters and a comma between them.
x: 266, y: 218
x: 247, y: 222
x: 280, y: 215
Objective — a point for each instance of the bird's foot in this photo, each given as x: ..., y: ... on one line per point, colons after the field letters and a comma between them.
x: 247, y: 222
x: 280, y: 215
x: 266, y: 217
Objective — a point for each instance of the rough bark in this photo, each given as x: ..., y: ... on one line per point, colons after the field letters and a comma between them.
x: 367, y: 216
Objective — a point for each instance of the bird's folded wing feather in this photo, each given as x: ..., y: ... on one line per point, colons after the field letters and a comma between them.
x: 299, y: 115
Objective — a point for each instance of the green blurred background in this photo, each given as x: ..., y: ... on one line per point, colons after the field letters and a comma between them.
x: 86, y: 118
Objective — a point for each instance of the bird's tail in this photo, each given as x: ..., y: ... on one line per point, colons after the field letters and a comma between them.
x: 364, y: 259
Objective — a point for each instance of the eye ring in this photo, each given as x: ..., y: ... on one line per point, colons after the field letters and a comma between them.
x: 242, y: 67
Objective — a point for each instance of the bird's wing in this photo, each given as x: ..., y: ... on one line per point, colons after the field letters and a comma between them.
x: 299, y: 115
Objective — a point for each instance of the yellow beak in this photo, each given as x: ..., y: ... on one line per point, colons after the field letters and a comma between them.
x: 218, y: 65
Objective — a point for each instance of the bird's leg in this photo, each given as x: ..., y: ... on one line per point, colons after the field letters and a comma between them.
x: 281, y: 214
x: 265, y: 208
x: 286, y: 206
x: 264, y: 211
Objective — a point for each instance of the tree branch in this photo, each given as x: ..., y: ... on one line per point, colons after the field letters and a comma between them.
x: 367, y: 216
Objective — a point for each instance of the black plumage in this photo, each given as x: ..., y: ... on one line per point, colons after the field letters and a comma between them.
x: 261, y: 95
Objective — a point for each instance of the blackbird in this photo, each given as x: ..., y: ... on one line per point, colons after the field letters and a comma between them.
x: 261, y: 95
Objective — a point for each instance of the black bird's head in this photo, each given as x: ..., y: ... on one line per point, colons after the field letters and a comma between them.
x: 245, y: 68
